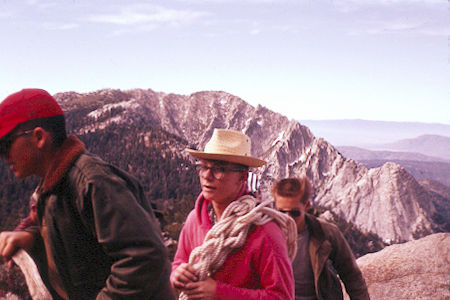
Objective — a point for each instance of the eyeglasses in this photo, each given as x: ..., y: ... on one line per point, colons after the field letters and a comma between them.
x: 218, y: 172
x: 292, y: 212
x: 5, y: 145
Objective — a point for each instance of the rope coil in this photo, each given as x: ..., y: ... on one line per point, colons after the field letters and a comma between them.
x: 231, y: 233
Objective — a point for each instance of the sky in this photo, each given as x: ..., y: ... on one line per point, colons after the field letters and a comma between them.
x: 382, y: 60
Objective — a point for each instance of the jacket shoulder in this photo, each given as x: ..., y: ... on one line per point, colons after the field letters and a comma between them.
x: 89, y: 165
x: 322, y: 229
x: 327, y: 227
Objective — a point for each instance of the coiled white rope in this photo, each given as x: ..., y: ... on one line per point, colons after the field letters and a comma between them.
x: 231, y: 232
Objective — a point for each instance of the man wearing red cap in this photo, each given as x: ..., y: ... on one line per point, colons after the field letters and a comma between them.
x: 95, y: 235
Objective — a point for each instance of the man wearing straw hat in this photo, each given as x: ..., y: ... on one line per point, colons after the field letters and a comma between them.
x: 230, y: 247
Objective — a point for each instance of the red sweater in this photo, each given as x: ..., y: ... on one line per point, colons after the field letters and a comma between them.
x: 261, y: 269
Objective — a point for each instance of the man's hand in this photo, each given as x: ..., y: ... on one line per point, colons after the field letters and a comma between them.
x: 183, y: 275
x: 204, y: 290
x: 10, y: 241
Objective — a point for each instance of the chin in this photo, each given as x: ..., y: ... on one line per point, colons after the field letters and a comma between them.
x: 207, y: 195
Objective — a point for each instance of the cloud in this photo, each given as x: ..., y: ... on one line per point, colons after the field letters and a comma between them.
x: 32, y: 2
x: 413, y: 25
x: 145, y: 14
x: 434, y: 31
x: 352, y: 5
x: 6, y: 14
x: 134, y: 29
x: 412, y: 17
x: 401, y: 27
x: 42, y: 4
x: 56, y: 26
x: 236, y: 1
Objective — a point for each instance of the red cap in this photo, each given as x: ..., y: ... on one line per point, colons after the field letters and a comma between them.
x: 26, y: 105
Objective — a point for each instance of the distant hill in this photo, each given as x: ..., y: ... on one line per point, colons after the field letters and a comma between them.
x: 423, y: 149
x: 418, y: 165
x: 360, y: 154
x: 364, y: 133
x: 439, y: 171
x: 441, y: 196
x: 436, y: 187
x: 433, y: 145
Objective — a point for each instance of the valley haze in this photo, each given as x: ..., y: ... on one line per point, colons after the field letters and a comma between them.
x: 370, y: 134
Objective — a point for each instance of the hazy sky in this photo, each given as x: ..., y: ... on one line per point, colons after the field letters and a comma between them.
x: 307, y: 59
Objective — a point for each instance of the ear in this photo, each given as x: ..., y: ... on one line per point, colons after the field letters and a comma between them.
x: 42, y: 137
x: 244, y: 176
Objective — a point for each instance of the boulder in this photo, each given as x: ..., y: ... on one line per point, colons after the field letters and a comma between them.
x: 418, y: 269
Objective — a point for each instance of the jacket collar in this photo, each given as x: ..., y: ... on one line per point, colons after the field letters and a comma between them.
x: 65, y: 156
x: 315, y: 227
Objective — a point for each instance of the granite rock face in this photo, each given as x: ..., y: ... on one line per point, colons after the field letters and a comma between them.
x: 386, y: 201
x: 418, y: 269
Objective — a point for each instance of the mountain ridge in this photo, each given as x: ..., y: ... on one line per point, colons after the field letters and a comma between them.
x: 427, y: 144
x: 342, y: 185
x: 417, y: 164
x: 358, y: 153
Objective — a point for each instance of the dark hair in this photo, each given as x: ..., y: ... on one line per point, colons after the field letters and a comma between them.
x: 293, y: 187
x: 56, y: 125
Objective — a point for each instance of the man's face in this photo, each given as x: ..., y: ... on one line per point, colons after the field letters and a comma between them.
x: 21, y: 154
x: 221, y: 181
x: 293, y: 207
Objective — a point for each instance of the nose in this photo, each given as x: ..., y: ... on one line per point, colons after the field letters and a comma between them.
x: 207, y: 174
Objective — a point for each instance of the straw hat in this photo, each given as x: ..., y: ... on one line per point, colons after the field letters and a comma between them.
x: 228, y: 145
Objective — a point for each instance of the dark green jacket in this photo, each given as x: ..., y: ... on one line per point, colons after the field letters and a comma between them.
x: 102, y: 231
x: 330, y: 253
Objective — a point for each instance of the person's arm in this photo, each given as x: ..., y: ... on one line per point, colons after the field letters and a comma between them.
x: 31, y: 219
x: 345, y: 264
x: 130, y: 237
x: 182, y: 272
x: 26, y: 223
x: 10, y: 241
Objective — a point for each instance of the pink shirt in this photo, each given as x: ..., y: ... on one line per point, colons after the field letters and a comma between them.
x: 261, y: 269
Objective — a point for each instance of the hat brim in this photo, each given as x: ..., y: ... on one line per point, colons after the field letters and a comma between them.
x: 238, y: 159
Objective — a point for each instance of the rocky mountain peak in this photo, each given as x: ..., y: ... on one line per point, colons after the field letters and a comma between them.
x: 386, y: 200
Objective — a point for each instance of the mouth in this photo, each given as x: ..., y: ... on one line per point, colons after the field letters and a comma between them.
x: 208, y: 188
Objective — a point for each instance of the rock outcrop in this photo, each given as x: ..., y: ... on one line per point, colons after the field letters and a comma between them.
x: 418, y: 269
